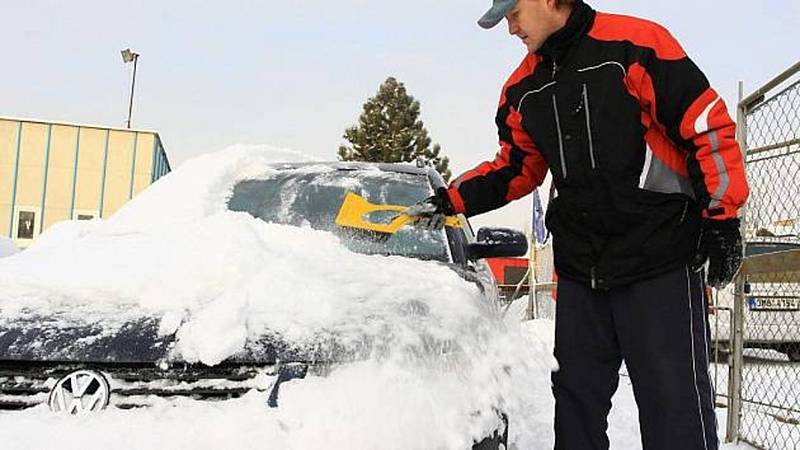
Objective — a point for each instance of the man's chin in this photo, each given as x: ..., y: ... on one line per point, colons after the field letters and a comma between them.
x: 532, y: 48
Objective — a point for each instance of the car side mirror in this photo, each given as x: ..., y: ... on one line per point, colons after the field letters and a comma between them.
x: 498, y: 242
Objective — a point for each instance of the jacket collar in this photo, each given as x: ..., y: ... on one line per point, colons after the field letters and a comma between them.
x: 579, y: 22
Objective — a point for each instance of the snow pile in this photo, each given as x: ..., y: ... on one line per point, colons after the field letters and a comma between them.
x: 217, y: 278
x: 7, y: 247
x: 224, y: 276
x: 362, y: 406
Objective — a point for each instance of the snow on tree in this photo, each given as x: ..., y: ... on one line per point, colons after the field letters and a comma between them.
x: 389, y: 130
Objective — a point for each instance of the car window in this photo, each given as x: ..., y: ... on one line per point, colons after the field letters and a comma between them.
x: 312, y: 196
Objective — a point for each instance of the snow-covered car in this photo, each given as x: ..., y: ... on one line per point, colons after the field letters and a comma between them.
x: 229, y: 278
x: 772, y: 303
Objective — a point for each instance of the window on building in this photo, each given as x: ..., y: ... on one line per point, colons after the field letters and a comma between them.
x: 84, y: 214
x: 26, y: 221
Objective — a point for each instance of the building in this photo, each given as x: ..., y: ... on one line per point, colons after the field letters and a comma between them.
x: 54, y: 171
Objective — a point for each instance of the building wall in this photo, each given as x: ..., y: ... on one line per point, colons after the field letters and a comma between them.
x: 50, y: 172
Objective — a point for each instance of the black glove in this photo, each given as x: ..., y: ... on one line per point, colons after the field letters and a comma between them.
x: 721, y: 245
x: 432, y: 212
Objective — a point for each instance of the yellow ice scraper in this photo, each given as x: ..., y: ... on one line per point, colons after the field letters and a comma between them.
x: 355, y: 209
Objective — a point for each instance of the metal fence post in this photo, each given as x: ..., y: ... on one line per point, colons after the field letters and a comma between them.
x: 737, y: 326
x: 736, y: 365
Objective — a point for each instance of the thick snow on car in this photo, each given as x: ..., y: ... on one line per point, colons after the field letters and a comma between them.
x: 229, y: 279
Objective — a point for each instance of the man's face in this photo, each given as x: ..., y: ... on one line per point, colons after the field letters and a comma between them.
x: 533, y: 21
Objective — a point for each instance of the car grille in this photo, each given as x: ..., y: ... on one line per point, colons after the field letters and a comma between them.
x: 24, y: 385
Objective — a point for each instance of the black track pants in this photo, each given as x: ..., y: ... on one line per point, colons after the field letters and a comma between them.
x: 659, y: 327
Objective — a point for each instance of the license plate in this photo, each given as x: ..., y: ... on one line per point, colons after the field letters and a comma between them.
x: 774, y: 303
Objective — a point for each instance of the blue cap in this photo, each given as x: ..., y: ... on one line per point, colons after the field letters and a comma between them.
x: 496, y: 13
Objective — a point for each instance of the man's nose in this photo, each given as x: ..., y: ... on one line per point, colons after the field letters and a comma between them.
x: 512, y: 27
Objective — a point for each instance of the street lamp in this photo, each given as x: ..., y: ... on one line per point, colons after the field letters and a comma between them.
x: 129, y: 56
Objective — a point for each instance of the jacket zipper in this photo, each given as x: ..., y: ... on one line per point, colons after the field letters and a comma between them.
x: 560, y: 141
x: 558, y: 125
x: 588, y: 125
x: 685, y: 209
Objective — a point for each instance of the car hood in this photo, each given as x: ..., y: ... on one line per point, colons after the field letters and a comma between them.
x: 88, y: 335
x: 56, y: 338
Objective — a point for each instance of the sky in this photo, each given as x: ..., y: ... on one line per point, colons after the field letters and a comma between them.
x: 295, y: 74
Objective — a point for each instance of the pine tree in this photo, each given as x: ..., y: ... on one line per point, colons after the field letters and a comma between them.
x: 389, y: 130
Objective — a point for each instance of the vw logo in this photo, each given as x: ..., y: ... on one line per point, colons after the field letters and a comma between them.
x: 82, y: 391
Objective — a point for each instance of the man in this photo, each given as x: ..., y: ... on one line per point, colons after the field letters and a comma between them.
x: 649, y: 179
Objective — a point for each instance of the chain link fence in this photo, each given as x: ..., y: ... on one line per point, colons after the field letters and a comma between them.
x: 764, y: 388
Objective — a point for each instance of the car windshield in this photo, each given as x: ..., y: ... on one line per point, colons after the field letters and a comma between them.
x: 312, y: 196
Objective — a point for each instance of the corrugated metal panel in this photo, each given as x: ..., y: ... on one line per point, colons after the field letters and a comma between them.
x: 14, y: 181
x: 45, y: 175
x: 161, y: 165
x: 61, y: 172
x: 8, y: 151
x: 143, y: 172
x: 155, y: 161
x: 104, y: 171
x: 90, y: 170
x: 75, y: 172
x: 31, y: 164
x: 133, y: 164
x: 118, y: 171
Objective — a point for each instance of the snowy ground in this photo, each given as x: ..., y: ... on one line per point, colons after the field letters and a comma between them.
x: 771, y: 394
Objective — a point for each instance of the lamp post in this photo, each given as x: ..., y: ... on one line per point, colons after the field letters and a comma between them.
x: 129, y: 56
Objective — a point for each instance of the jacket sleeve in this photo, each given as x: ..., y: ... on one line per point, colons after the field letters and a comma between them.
x: 677, y: 95
x: 516, y: 170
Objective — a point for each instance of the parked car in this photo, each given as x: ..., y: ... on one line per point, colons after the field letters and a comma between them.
x: 72, y: 363
x: 772, y: 306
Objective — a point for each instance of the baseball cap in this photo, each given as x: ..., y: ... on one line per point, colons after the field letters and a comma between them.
x: 496, y: 13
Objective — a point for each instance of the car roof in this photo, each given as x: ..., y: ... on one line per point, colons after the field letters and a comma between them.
x: 355, y: 165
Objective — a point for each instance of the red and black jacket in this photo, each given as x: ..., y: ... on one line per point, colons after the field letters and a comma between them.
x: 639, y: 145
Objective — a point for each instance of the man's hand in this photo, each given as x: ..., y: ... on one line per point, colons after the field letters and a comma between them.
x: 721, y: 244
x: 432, y: 212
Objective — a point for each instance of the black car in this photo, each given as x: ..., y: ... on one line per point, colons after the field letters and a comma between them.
x: 73, y: 363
